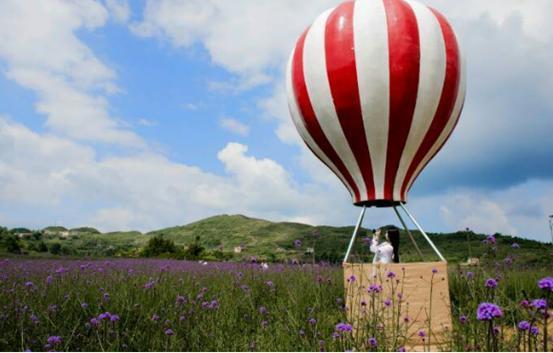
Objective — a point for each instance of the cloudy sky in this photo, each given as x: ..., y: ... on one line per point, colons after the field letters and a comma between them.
x: 146, y: 114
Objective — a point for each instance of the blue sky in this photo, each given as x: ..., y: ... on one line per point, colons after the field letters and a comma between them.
x: 165, y: 112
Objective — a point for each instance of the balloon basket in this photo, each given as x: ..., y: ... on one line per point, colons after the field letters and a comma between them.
x: 401, y: 305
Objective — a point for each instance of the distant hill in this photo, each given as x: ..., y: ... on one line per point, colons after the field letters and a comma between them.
x: 54, y: 229
x: 275, y: 241
x: 84, y: 230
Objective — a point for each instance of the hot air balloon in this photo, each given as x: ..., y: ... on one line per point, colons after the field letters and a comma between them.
x: 375, y: 88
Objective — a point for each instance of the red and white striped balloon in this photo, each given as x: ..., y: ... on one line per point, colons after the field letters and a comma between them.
x: 375, y: 88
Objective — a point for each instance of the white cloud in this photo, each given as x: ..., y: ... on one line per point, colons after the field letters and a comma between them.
x: 119, y: 9
x: 54, y: 173
x: 147, y: 122
x: 234, y: 126
x: 42, y: 53
x: 143, y: 191
x: 244, y: 37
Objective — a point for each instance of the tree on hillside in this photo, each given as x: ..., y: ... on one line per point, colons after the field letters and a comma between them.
x: 55, y: 248
x: 194, y: 250
x: 11, y: 243
x: 157, y: 246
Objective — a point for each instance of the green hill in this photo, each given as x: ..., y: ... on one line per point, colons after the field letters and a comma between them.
x: 274, y: 241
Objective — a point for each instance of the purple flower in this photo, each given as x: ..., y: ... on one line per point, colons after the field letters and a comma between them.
x: 374, y: 288
x: 312, y: 322
x: 297, y: 243
x: 269, y: 283
x: 534, y: 330
x: 546, y: 284
x: 434, y: 270
x: 490, y: 239
x: 422, y: 334
x: 463, y: 319
x: 262, y: 310
x: 488, y: 311
x: 155, y: 317
x: 351, y: 279
x: 169, y: 332
x: 34, y: 319
x: 104, y: 316
x: 29, y: 284
x: 373, y: 342
x: 525, y: 304
x: 264, y: 323
x: 390, y: 274
x: 94, y: 322
x: 49, y: 279
x: 182, y: 318
x: 524, y: 325
x: 84, y: 306
x: 515, y: 246
x: 470, y: 275
x: 180, y: 300
x: 54, y: 340
x: 387, y: 302
x: 343, y: 327
x: 491, y: 283
x: 402, y: 349
x: 150, y: 284
x: 539, y: 304
x: 301, y: 332
x: 114, y: 318
x: 106, y: 297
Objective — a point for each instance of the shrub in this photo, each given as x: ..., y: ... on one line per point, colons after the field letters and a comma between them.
x: 157, y: 246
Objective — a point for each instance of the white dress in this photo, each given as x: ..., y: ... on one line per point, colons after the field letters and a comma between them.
x: 383, y: 252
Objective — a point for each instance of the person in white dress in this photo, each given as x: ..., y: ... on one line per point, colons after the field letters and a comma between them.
x: 386, y: 251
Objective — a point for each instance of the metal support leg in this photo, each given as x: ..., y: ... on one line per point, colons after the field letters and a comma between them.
x: 354, y: 235
x: 409, y: 233
x: 423, y: 233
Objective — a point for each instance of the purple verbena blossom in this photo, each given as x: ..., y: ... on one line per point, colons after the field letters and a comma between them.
x: 488, y: 311
x: 54, y: 340
x: 343, y: 327
x: 373, y: 342
x: 491, y: 283
x: 546, y: 284
x: 523, y: 325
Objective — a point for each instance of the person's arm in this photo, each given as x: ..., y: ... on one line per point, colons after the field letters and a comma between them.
x: 374, y: 244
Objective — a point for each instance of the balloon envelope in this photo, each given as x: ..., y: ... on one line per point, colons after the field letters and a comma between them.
x: 375, y: 88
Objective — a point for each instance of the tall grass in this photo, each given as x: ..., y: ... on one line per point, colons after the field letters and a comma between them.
x: 164, y: 305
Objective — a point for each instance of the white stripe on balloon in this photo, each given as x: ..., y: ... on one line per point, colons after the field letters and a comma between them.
x: 299, y: 122
x: 373, y: 78
x: 433, y: 59
x: 318, y: 88
x: 453, y: 118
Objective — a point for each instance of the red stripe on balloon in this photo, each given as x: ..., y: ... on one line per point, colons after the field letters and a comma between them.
x: 439, y: 148
x: 404, y: 66
x: 310, y: 119
x: 342, y: 77
x: 449, y: 95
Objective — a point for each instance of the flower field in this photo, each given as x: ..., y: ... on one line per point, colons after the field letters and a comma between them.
x: 161, y: 305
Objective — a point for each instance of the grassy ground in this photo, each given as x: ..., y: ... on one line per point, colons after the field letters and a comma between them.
x: 159, y: 305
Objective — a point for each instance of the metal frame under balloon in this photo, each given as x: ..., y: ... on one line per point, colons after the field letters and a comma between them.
x: 402, y: 206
